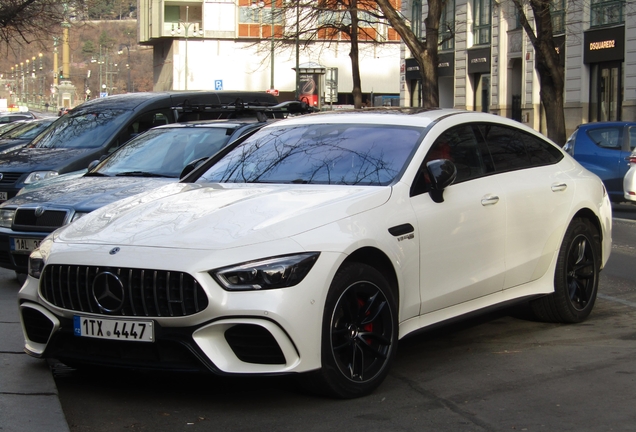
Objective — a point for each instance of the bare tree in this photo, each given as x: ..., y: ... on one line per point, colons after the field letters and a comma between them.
x: 334, y: 21
x: 424, y: 51
x: 546, y: 63
x: 26, y: 21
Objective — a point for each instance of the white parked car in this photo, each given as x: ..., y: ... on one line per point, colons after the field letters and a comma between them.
x: 629, y: 181
x: 315, y: 245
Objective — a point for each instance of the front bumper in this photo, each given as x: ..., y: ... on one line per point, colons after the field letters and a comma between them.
x: 250, y: 332
x: 14, y: 259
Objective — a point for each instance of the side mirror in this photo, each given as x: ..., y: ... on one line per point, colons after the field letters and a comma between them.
x: 442, y: 173
x: 192, y: 166
x: 93, y: 164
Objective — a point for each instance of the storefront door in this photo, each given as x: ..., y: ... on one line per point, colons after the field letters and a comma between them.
x: 607, y: 91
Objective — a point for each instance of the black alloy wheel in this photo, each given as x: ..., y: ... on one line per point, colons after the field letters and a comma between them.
x: 359, y: 335
x: 576, y: 276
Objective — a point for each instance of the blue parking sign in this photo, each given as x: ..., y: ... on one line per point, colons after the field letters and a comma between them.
x: 218, y: 84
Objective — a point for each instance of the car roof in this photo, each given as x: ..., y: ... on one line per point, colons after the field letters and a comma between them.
x: 133, y: 100
x: 214, y: 123
x: 419, y: 117
x: 605, y: 124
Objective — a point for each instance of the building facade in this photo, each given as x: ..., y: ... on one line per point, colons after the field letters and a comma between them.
x: 242, y: 45
x: 486, y: 60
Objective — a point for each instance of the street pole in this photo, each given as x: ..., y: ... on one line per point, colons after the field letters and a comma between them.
x: 297, y: 49
x: 271, y: 76
x: 187, y: 30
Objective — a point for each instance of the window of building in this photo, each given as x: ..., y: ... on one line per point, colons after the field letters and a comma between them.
x: 557, y: 11
x: 416, y: 18
x: 447, y: 26
x: 481, y: 21
x: 607, y: 12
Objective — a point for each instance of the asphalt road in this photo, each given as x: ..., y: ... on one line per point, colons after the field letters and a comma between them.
x: 500, y: 371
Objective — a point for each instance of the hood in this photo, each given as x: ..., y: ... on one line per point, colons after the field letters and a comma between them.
x: 7, y: 145
x: 40, y: 159
x: 214, y: 216
x: 86, y: 194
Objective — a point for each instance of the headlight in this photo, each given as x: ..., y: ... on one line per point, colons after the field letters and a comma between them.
x: 36, y: 264
x: 78, y: 215
x: 6, y: 218
x: 277, y: 272
x: 36, y: 176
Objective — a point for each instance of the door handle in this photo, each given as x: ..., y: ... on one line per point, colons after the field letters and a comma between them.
x: 559, y: 187
x: 489, y: 200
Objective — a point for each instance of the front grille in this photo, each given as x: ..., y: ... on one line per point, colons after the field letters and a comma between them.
x: 5, y: 259
x: 122, y: 291
x: 9, y: 178
x: 50, y: 220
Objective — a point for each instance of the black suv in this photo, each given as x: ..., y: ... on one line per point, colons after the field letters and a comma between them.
x: 98, y: 127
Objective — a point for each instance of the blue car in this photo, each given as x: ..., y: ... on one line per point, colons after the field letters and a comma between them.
x: 604, y: 148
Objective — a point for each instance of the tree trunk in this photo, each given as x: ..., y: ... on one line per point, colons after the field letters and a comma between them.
x: 546, y: 63
x: 354, y: 55
x: 425, y: 53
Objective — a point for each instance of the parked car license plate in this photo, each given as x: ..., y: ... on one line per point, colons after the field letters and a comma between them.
x: 24, y: 244
x: 102, y: 328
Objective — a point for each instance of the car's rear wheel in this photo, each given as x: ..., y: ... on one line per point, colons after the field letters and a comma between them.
x: 359, y: 334
x: 576, y: 276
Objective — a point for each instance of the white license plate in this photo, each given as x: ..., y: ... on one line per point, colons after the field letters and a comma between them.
x: 3, y: 196
x: 102, y: 328
x: 24, y: 244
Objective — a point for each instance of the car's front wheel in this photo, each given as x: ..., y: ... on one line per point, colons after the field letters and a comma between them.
x: 359, y: 334
x: 576, y: 276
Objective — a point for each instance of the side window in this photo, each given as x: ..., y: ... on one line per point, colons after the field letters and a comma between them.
x: 632, y: 138
x: 140, y: 125
x: 458, y: 145
x: 540, y: 152
x: 507, y: 148
x: 607, y: 137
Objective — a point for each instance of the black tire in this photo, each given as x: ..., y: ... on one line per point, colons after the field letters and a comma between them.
x: 575, y: 278
x: 359, y: 334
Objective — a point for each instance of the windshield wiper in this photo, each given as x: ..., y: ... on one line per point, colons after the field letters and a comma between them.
x: 142, y: 174
x: 95, y: 174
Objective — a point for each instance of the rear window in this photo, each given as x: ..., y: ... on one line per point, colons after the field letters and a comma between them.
x: 85, y: 129
x: 609, y: 137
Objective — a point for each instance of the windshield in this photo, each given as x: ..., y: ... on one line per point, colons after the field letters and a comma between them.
x: 27, y: 130
x: 164, y: 152
x: 85, y: 129
x: 343, y: 154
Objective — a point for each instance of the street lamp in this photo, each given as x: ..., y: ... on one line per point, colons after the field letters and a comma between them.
x: 121, y: 51
x: 186, y: 25
x: 26, y: 78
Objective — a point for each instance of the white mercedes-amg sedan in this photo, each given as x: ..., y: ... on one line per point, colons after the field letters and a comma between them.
x: 314, y: 245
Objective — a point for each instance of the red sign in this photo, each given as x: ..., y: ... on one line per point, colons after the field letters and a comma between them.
x: 272, y: 91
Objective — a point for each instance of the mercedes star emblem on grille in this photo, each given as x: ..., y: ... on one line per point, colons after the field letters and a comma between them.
x: 39, y: 211
x: 1, y: 176
x: 114, y: 250
x: 108, y: 292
